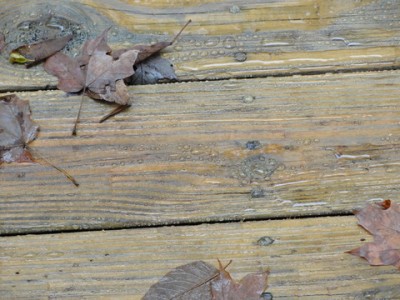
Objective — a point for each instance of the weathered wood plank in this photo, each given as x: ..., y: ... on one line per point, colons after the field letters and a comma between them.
x: 206, y: 151
x: 306, y: 260
x: 226, y: 39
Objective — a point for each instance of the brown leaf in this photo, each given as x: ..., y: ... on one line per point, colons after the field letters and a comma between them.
x: 103, y: 73
x: 37, y: 52
x: 145, y: 51
x: 250, y: 287
x: 199, y: 280
x: 71, y: 77
x: 190, y: 281
x: 17, y: 129
x: 99, y: 44
x: 382, y: 220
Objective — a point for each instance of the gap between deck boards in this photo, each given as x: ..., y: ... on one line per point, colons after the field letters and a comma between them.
x: 183, y: 224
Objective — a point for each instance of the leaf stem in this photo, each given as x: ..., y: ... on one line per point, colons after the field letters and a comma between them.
x: 65, y: 173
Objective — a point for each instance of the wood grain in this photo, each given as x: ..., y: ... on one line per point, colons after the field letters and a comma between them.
x: 306, y: 260
x: 210, y: 151
x: 227, y: 39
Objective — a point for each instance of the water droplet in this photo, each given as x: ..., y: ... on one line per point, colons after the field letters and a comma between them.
x: 212, y: 42
x: 229, y: 42
x: 248, y: 99
x: 25, y: 25
x: 265, y: 241
x: 240, y: 56
x: 234, y: 9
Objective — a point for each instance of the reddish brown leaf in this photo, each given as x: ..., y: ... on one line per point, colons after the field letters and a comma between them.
x: 71, y: 77
x: 199, y: 280
x: 37, y: 52
x: 250, y: 287
x: 382, y: 220
x: 17, y: 129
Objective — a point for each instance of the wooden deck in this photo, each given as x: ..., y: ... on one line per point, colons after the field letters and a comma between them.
x: 285, y: 120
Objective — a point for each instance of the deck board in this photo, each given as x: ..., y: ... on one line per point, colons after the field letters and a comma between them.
x: 210, y: 151
x: 230, y: 39
x: 306, y: 260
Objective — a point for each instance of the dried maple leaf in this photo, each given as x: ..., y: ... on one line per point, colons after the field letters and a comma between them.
x: 17, y: 129
x: 98, y: 44
x: 382, y: 220
x: 94, y: 71
x: 199, y: 280
x: 71, y: 77
x: 190, y: 281
x: 32, y: 54
x: 103, y: 73
x: 250, y: 287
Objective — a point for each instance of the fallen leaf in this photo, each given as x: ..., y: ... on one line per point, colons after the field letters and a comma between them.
x: 98, y: 44
x: 71, y: 78
x: 199, y: 280
x: 152, y: 70
x: 94, y: 70
x: 17, y: 129
x: 382, y: 220
x: 250, y: 287
x: 145, y: 51
x: 35, y: 53
x: 190, y: 281
x: 103, y: 72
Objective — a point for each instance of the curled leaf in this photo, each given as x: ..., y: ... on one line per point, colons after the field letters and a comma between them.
x: 145, y: 51
x: 152, y: 70
x: 35, y: 53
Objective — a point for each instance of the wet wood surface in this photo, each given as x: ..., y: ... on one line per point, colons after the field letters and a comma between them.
x: 216, y: 151
x: 306, y: 260
x: 227, y: 39
x: 284, y: 109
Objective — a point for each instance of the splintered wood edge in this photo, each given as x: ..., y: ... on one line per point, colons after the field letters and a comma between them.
x: 230, y: 41
x: 306, y: 259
